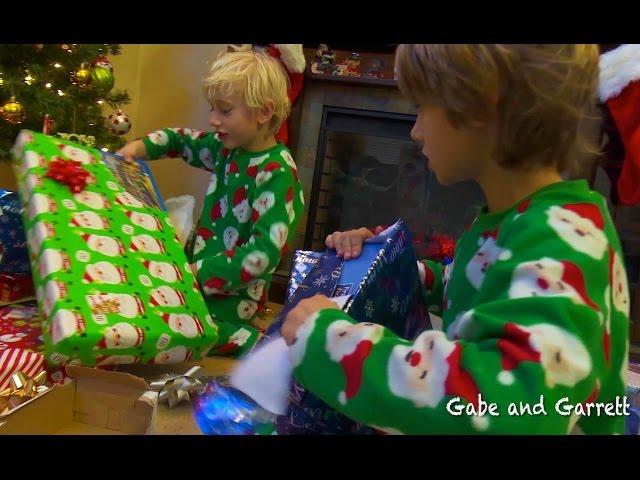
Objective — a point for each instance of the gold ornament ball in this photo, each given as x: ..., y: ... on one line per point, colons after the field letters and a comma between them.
x: 13, y: 112
x: 102, y: 79
x: 81, y: 77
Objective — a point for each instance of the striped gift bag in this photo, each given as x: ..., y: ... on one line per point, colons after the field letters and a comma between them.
x: 14, y: 360
x: 20, y: 341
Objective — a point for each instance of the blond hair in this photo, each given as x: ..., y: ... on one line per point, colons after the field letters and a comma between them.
x: 256, y: 78
x: 545, y: 94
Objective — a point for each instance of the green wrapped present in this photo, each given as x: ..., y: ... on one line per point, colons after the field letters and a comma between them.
x: 112, y: 281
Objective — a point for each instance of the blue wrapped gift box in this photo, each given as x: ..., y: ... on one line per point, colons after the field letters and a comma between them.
x: 382, y: 286
x: 14, y: 257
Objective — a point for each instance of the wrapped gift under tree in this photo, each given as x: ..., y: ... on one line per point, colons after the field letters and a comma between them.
x: 13, y: 248
x: 16, y: 283
x: 21, y: 346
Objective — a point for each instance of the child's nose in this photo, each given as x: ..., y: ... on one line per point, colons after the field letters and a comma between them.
x: 415, y: 136
x: 214, y: 121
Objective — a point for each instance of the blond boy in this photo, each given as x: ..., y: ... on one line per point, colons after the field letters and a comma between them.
x: 253, y: 201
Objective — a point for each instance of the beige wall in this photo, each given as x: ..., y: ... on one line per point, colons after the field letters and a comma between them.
x: 164, y: 82
x: 7, y: 180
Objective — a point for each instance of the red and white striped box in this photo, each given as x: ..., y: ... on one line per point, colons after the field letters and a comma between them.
x: 20, y: 342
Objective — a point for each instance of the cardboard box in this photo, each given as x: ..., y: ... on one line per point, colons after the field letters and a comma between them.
x: 95, y: 402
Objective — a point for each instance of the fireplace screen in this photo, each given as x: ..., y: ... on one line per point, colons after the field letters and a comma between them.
x: 369, y: 172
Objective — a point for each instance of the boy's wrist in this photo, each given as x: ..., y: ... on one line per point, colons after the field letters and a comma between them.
x: 141, y: 148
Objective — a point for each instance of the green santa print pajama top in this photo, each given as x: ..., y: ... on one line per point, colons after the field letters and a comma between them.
x: 252, y: 206
x: 535, y: 311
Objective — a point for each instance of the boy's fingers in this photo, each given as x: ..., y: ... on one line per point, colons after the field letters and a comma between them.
x: 347, y: 247
x: 364, y: 233
x: 337, y: 241
x: 329, y: 241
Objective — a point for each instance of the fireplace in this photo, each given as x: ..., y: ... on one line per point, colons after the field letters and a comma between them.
x: 369, y: 172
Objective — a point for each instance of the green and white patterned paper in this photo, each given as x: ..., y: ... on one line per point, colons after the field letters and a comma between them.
x: 112, y: 281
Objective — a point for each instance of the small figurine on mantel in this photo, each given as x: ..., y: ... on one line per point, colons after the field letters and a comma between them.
x: 375, y: 68
x: 349, y: 66
x: 326, y: 65
x: 320, y: 51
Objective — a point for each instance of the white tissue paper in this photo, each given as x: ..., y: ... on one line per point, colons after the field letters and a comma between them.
x: 180, y: 210
x: 265, y: 374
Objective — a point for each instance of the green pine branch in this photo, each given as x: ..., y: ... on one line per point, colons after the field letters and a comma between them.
x: 49, y: 69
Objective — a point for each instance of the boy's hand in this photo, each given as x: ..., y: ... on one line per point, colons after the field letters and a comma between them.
x: 194, y: 269
x: 349, y: 244
x: 133, y: 150
x: 302, y: 311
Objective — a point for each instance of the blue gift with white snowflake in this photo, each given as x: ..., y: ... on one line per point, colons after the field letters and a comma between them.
x: 382, y: 286
x: 14, y: 256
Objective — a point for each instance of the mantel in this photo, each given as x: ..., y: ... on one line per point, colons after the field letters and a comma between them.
x: 365, y: 60
x: 369, y: 81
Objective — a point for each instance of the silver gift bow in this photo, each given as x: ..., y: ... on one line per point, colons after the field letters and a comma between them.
x: 177, y: 389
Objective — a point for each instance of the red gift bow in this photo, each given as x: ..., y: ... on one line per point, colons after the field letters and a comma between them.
x: 70, y: 173
x: 441, y: 248
x: 447, y: 245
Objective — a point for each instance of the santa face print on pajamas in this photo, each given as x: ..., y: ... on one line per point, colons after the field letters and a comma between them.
x: 580, y: 226
x: 548, y: 277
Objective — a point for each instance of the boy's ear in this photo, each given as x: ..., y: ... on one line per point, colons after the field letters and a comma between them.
x: 266, y: 112
x: 483, y: 119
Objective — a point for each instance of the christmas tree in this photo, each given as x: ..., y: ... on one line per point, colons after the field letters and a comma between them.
x: 62, y: 88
